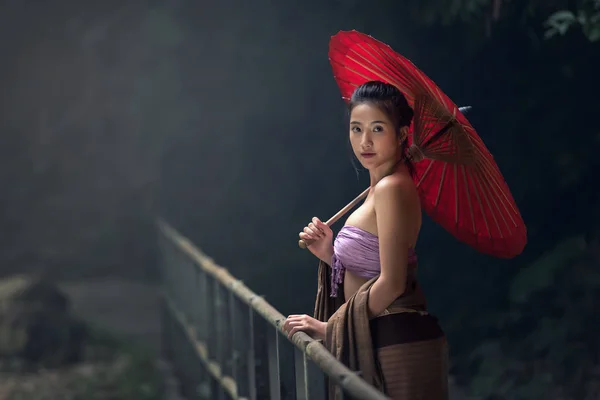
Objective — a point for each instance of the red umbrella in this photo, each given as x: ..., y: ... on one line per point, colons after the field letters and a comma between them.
x: 460, y: 185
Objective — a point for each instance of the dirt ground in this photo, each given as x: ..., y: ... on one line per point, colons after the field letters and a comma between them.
x: 124, y: 307
x: 116, y: 305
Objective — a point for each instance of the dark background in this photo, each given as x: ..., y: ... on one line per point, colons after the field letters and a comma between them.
x: 224, y: 119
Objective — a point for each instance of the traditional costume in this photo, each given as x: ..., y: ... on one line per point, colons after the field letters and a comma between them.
x: 402, y: 351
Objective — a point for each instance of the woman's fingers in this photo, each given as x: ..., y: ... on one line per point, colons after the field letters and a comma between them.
x: 295, y: 326
x: 293, y: 331
x: 290, y: 324
x: 313, y: 225
x: 305, y: 236
x: 316, y: 231
x: 323, y: 227
x: 311, y: 233
x: 292, y: 319
x: 297, y: 323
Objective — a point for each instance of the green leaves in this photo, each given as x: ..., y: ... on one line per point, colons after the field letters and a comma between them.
x: 545, y: 344
x: 541, y: 274
x: 479, y: 13
x: 559, y: 23
x: 587, y: 16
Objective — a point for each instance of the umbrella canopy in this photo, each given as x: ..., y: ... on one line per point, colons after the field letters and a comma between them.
x: 460, y: 185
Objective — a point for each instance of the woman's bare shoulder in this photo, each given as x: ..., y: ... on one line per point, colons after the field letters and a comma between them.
x: 396, y: 184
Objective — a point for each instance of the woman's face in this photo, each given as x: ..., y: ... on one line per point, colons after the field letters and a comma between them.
x: 373, y: 136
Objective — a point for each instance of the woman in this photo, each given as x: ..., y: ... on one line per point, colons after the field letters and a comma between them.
x: 381, y: 326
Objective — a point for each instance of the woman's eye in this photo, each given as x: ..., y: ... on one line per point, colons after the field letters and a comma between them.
x: 355, y: 129
x: 378, y: 129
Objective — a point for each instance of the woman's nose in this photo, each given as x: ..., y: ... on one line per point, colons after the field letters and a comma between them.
x: 366, y: 141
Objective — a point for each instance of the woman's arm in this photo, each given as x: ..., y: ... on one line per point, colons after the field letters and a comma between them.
x: 396, y: 201
x: 322, y: 236
x: 327, y: 257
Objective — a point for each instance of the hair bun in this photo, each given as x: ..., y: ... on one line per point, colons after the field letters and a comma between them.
x: 386, y: 96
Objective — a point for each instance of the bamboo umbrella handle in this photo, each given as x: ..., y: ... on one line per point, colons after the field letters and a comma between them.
x: 304, y: 244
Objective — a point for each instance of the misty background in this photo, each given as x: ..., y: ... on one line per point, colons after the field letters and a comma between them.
x: 224, y: 119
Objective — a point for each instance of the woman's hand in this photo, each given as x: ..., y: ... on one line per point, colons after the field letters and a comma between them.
x: 322, y: 236
x: 312, y: 327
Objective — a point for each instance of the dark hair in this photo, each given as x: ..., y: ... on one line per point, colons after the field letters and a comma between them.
x: 388, y: 98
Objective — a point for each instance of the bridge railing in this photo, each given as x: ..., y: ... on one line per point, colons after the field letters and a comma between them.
x: 226, y: 342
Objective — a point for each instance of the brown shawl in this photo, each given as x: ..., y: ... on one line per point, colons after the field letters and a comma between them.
x: 348, y: 331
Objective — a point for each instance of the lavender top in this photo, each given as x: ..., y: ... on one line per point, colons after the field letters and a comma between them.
x: 358, y: 251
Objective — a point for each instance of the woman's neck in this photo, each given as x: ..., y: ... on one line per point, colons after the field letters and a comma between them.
x: 384, y: 170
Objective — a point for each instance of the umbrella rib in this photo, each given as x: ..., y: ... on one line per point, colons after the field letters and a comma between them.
x: 390, y: 61
x: 378, y: 74
x: 486, y: 196
x: 393, y: 62
x: 471, y: 133
x: 357, y: 73
x: 488, y: 165
x: 383, y: 73
x: 493, y: 174
x: 436, y: 116
x: 489, y: 176
x: 462, y: 167
x: 421, y: 126
x: 502, y: 216
x: 498, y: 209
x: 476, y: 190
x: 442, y: 148
x: 456, y: 195
x: 437, y: 199
x: 420, y: 131
x: 365, y: 60
x: 425, y: 173
x: 436, y: 100
x: 499, y: 194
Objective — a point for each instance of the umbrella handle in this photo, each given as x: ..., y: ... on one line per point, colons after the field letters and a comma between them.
x: 305, y: 243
